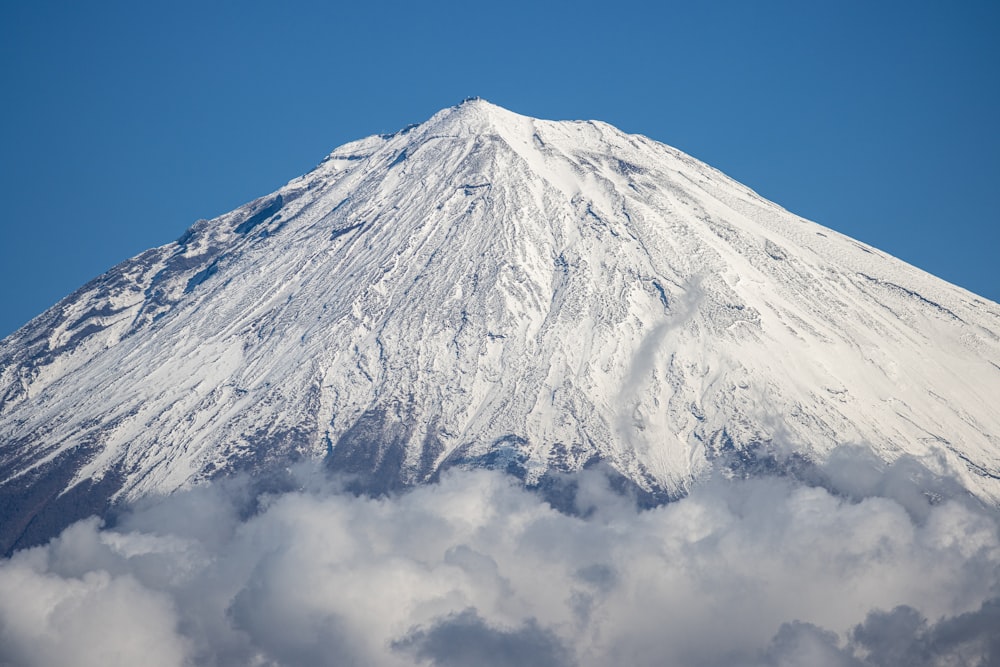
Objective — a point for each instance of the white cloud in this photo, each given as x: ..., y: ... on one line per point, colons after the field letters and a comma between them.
x: 760, y: 572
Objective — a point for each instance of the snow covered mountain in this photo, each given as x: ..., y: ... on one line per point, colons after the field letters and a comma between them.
x: 488, y: 289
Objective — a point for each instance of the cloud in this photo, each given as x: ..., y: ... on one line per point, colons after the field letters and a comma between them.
x: 476, y: 570
x: 49, y: 619
x: 680, y: 312
x: 466, y: 639
x: 904, y: 637
x: 798, y: 644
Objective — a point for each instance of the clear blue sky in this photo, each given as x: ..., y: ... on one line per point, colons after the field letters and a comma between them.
x: 124, y: 122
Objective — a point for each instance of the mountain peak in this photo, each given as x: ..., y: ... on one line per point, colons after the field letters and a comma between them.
x: 474, y: 115
x: 481, y: 107
x: 437, y: 298
x: 474, y: 101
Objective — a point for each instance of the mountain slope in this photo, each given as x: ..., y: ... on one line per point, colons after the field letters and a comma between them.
x: 491, y: 289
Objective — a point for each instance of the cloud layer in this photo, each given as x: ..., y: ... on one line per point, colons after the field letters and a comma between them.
x: 890, y: 567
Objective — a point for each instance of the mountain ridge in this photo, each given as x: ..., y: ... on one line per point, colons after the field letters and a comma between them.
x: 491, y: 289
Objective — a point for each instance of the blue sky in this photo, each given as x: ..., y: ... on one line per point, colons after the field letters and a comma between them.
x: 124, y: 122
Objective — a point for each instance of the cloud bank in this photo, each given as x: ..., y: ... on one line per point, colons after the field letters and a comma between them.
x: 864, y: 569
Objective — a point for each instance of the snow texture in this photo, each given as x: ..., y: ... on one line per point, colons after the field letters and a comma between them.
x: 491, y: 290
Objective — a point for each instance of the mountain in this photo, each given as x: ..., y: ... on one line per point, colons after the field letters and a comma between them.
x: 489, y: 289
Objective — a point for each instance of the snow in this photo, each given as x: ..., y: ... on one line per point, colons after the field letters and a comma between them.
x: 487, y: 282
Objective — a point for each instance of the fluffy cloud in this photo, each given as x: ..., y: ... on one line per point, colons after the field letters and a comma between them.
x: 893, y: 566
x: 467, y: 639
